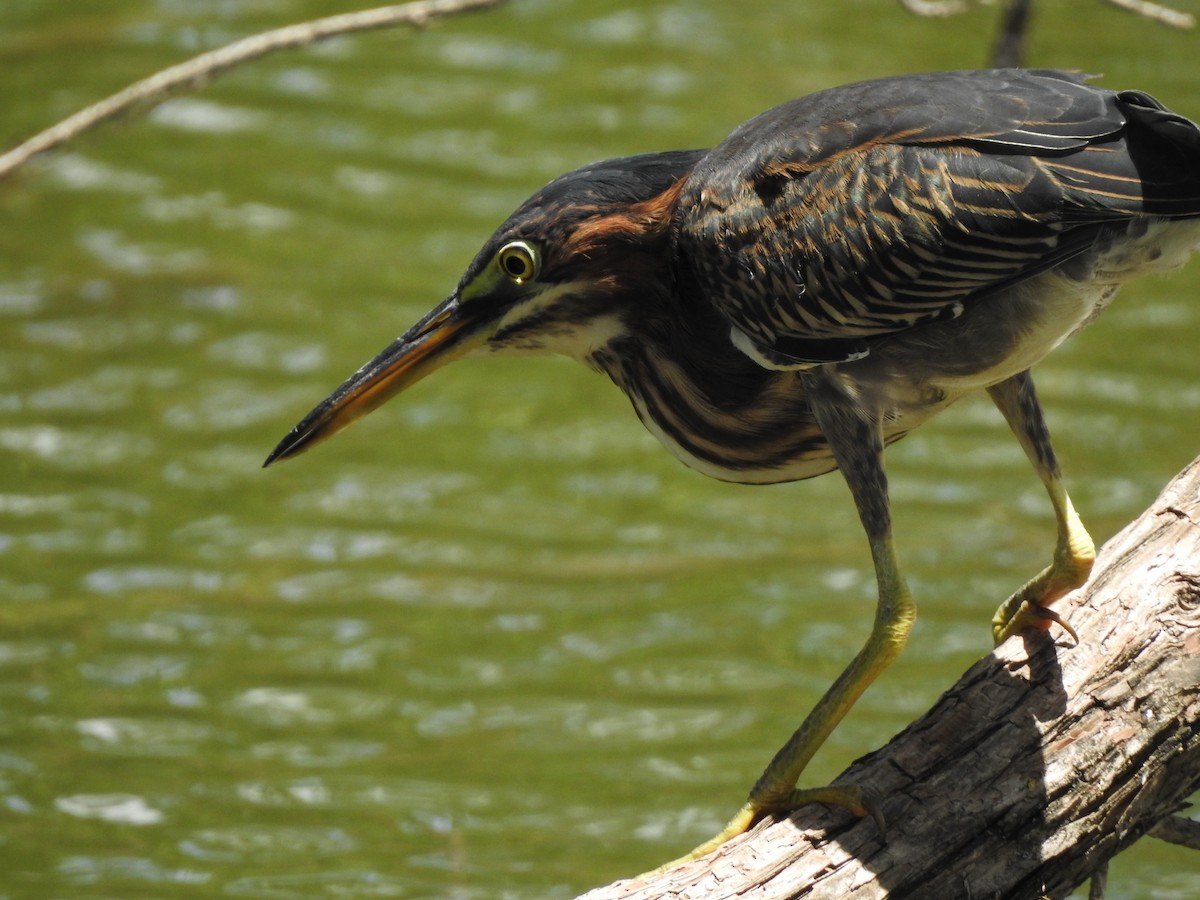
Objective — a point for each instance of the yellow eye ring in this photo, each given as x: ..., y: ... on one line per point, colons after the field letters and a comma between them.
x: 519, y: 261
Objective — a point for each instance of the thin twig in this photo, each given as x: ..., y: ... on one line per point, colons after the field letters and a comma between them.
x: 153, y: 90
x: 1158, y: 12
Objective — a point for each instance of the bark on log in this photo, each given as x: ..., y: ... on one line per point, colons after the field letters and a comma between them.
x: 1040, y: 764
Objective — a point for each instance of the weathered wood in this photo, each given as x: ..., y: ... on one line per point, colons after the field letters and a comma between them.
x: 1040, y: 764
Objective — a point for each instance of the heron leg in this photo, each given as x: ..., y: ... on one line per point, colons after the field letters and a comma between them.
x: 857, y: 444
x: 1029, y: 608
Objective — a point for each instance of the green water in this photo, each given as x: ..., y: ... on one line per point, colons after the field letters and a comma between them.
x: 493, y: 642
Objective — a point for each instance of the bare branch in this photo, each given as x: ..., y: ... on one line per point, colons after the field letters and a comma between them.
x: 1158, y: 12
x: 153, y: 90
x: 1178, y: 830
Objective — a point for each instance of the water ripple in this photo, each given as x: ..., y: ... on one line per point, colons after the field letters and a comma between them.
x: 116, y: 869
x: 263, y: 351
x: 192, y: 114
x: 20, y: 298
x: 144, y: 737
x: 366, y: 883
x: 107, y: 389
x: 227, y: 405
x: 123, y: 255
x: 123, y: 670
x: 92, y: 335
x: 24, y: 653
x: 76, y: 171
x: 289, y: 707
x: 125, y: 809
x: 466, y: 51
x: 259, y: 842
x: 332, y: 754
x: 655, y: 725
x: 124, y: 579
x: 213, y: 468
x: 76, y: 449
x: 213, y: 208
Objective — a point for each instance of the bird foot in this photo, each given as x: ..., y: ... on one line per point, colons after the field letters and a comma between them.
x: 849, y: 797
x: 1028, y: 610
x: 1029, y: 617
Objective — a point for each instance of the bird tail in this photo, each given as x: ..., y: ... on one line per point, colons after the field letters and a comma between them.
x: 1165, y: 149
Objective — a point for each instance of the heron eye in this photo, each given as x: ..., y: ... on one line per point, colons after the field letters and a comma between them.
x: 518, y: 260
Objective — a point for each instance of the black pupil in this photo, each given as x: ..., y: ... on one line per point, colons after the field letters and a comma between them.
x: 515, y: 265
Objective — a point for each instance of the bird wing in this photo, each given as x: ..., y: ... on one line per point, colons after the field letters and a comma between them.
x: 872, y: 208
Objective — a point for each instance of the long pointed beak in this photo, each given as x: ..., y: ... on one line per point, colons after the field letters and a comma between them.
x: 443, y: 335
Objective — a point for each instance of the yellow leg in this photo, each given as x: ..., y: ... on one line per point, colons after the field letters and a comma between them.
x: 1029, y: 608
x: 857, y: 445
x: 775, y: 790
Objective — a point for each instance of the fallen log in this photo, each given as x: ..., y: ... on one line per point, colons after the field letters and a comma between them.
x: 1045, y: 760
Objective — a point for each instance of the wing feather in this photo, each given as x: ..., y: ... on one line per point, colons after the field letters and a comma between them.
x: 855, y: 213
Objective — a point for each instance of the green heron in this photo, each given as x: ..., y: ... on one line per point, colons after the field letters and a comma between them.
x: 835, y: 273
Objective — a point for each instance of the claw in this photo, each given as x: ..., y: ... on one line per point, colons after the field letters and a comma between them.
x: 1032, y: 616
x: 1047, y: 615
